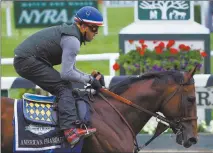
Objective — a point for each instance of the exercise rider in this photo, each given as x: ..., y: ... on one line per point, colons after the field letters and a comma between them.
x: 35, y: 57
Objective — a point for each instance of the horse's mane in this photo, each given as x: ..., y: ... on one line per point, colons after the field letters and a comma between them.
x: 123, y: 85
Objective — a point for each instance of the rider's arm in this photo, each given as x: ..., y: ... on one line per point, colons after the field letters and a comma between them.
x: 71, y: 46
x: 74, y: 67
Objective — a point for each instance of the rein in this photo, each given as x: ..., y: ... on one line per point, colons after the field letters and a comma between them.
x: 161, y: 127
x: 126, y: 101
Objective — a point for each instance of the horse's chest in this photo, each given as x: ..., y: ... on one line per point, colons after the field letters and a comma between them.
x: 114, y: 136
x: 113, y: 144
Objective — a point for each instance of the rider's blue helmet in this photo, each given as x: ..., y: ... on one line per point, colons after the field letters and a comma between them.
x: 89, y: 15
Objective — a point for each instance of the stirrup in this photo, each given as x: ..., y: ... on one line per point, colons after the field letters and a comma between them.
x: 86, y: 128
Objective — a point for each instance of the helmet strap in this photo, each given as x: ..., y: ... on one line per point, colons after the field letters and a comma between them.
x: 84, y: 38
x: 83, y: 34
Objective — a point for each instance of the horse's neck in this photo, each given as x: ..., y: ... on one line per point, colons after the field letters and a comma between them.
x: 136, y: 118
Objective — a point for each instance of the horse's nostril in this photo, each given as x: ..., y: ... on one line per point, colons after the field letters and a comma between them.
x: 193, y: 140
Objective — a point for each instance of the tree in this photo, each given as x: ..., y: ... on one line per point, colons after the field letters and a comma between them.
x: 164, y: 6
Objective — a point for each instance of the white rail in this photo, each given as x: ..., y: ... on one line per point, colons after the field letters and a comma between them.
x: 87, y: 57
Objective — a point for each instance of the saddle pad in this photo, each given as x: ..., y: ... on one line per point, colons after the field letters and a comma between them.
x: 39, y: 98
x: 41, y: 109
x: 38, y: 138
x: 38, y: 112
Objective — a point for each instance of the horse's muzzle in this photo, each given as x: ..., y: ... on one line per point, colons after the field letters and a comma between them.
x: 187, y: 142
x: 190, y: 142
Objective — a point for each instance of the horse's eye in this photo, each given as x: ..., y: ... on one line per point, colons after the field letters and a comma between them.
x: 191, y: 98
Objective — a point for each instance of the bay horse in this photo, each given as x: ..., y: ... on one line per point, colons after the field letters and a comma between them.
x: 171, y: 92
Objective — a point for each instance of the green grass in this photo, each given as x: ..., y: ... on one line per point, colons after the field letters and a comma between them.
x: 101, y: 44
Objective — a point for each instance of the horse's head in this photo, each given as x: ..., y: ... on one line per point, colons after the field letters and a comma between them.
x: 179, y: 106
x: 169, y: 92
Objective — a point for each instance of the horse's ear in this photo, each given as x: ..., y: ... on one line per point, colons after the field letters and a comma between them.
x: 190, y: 74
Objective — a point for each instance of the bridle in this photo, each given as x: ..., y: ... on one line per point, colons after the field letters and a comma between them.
x: 175, y: 124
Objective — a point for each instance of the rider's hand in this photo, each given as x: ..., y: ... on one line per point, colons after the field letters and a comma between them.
x: 95, y: 74
x: 95, y: 83
x: 102, y: 81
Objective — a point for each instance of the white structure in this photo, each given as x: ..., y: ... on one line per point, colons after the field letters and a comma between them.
x: 113, y: 4
x: 182, y: 28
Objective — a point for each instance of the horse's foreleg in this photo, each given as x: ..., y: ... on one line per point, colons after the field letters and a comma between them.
x: 7, y: 135
x: 6, y: 125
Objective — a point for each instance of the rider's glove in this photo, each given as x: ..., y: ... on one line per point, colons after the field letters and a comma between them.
x: 101, y: 80
x: 95, y: 84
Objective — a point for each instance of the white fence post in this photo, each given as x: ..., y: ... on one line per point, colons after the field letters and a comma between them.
x: 105, y: 28
x: 8, y: 20
x: 113, y: 4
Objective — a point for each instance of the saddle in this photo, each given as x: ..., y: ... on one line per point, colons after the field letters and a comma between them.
x: 41, y: 109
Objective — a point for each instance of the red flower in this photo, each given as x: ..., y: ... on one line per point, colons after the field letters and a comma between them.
x: 142, y: 51
x: 186, y: 48
x: 170, y: 43
x: 158, y: 50
x: 182, y: 46
x: 138, y: 49
x: 155, y: 41
x: 116, y: 66
x: 204, y: 54
x: 161, y: 45
x: 144, y: 46
x: 141, y: 41
x: 131, y: 41
x: 173, y: 51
